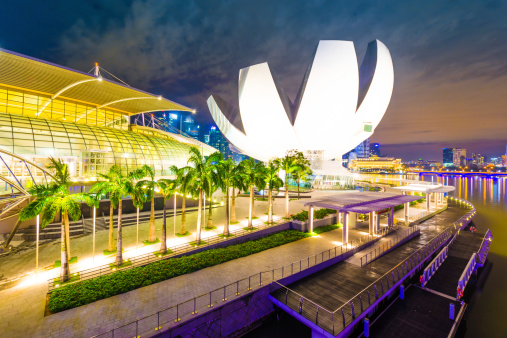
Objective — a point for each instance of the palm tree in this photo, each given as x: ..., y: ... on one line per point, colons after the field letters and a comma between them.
x: 225, y: 171
x: 200, y: 171
x: 138, y: 199
x: 149, y: 187
x: 253, y: 177
x: 273, y: 182
x: 182, y: 182
x: 117, y: 186
x: 237, y: 177
x: 109, y: 187
x: 51, y: 199
x: 167, y: 188
x: 288, y: 165
x: 301, y: 172
x: 214, y: 184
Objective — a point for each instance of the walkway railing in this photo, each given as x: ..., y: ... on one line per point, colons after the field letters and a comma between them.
x: 484, y: 249
x: 337, y: 321
x: 465, y: 276
x: 164, y: 319
x: 377, y: 252
x: 425, y: 213
x: 434, y: 265
x: 464, y: 220
x: 151, y: 257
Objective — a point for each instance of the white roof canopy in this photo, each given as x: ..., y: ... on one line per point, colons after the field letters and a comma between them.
x: 424, y: 188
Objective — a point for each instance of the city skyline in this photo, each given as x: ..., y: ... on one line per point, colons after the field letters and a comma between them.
x: 448, y: 71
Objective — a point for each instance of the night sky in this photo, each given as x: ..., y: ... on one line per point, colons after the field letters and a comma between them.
x: 450, y: 57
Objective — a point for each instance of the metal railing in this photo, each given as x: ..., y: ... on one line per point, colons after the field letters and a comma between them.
x: 425, y: 213
x: 161, y: 320
x: 434, y: 265
x: 385, y: 247
x: 337, y: 321
x: 151, y: 257
x: 483, y: 251
x: 464, y: 220
x: 465, y: 276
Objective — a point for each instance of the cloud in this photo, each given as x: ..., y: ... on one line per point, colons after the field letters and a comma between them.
x: 449, y: 57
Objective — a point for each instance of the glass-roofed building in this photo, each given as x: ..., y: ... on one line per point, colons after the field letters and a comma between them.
x: 84, y: 119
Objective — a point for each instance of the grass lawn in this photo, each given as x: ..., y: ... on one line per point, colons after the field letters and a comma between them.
x: 185, y: 234
x: 195, y: 244
x: 249, y: 229
x: 252, y: 217
x: 222, y: 236
x: 208, y: 229
x: 147, y: 242
x: 234, y: 222
x: 58, y: 263
x: 158, y: 254
x: 73, y: 278
x: 125, y: 263
x: 107, y: 252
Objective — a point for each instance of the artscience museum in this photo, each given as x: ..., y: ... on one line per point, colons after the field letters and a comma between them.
x: 338, y: 106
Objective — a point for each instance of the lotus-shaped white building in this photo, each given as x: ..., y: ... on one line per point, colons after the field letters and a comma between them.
x: 338, y: 106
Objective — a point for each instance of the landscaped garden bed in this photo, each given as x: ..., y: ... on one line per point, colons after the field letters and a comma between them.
x: 88, y: 291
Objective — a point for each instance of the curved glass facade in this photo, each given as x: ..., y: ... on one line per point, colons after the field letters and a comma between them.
x: 89, y: 149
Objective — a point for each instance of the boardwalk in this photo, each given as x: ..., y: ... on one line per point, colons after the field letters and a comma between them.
x: 332, y: 287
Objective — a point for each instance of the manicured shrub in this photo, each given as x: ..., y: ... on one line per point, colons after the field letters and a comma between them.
x: 88, y: 291
x: 317, y: 214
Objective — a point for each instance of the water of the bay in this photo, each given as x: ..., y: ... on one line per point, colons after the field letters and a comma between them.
x: 486, y: 312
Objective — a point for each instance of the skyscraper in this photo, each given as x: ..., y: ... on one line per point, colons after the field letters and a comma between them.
x: 218, y: 141
x: 458, y: 154
x: 363, y: 149
x: 448, y: 157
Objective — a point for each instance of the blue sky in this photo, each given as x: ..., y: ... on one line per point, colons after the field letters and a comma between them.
x: 450, y: 57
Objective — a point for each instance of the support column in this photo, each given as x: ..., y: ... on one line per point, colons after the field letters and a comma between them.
x: 391, y: 217
x: 340, y: 218
x: 435, y: 198
x: 345, y: 233
x: 377, y: 222
x: 352, y: 220
x: 428, y: 196
x: 370, y: 223
x: 310, y: 218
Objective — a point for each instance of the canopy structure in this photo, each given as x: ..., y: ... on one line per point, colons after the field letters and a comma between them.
x: 50, y: 81
x: 425, y: 188
x: 351, y: 203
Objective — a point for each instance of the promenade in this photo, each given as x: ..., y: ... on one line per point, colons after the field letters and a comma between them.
x: 22, y: 310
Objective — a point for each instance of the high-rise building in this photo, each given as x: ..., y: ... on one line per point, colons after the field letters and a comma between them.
x: 363, y: 149
x: 459, y: 156
x: 173, y: 120
x: 375, y: 149
x: 504, y: 160
x: 477, y: 159
x: 448, y: 157
x: 218, y: 141
x: 206, y: 138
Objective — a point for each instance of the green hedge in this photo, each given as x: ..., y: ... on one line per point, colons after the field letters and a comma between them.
x: 88, y: 291
x: 326, y: 228
x: 317, y: 214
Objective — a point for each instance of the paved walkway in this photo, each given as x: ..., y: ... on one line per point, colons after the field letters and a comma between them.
x: 22, y: 313
x: 22, y: 263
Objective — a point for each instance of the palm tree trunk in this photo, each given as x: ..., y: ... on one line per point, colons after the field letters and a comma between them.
x: 163, y: 245
x: 286, y: 197
x: 65, y: 270
x: 199, y: 214
x: 253, y: 200
x: 183, y: 229
x: 67, y: 234
x: 110, y: 244
x: 226, y: 226
x: 153, y: 236
x: 270, y: 206
x: 233, y: 206
x: 119, y: 238
x: 210, y: 213
x: 298, y: 189
x: 250, y: 211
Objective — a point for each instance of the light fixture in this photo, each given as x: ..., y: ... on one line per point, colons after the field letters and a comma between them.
x: 99, y: 78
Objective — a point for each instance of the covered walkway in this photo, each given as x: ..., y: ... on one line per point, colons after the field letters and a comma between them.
x: 431, y: 192
x: 350, y: 204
